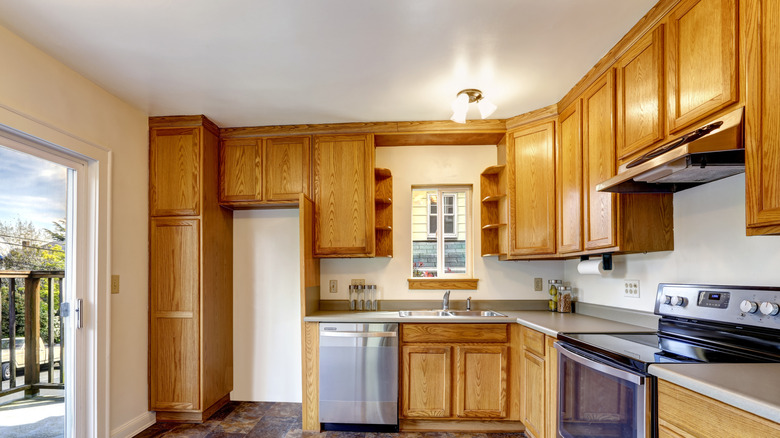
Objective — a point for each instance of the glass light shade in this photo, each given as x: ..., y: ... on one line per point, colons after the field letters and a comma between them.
x: 460, y: 106
x: 486, y: 108
x: 458, y: 117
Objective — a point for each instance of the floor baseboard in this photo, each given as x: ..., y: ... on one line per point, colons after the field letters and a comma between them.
x: 134, y: 426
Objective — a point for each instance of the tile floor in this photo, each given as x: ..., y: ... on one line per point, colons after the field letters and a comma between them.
x: 276, y: 420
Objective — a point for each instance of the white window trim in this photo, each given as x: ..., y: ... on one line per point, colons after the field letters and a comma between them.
x: 450, y: 190
x: 440, y: 214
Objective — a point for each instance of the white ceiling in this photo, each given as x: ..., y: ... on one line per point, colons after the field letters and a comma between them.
x: 268, y: 62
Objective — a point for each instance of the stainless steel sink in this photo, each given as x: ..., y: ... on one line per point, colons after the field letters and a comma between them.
x: 449, y: 313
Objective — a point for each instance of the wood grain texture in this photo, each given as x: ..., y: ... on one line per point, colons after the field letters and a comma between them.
x: 476, y: 426
x: 531, y: 189
x: 569, y: 180
x: 383, y: 212
x: 598, y: 151
x: 493, y: 214
x: 761, y: 43
x: 439, y: 139
x: 443, y: 284
x: 32, y: 330
x: 286, y: 168
x: 701, y: 60
x: 641, y: 96
x: 311, y: 383
x: 533, y: 341
x: 534, y: 401
x: 310, y: 280
x: 551, y: 382
x: 481, y: 381
x: 343, y: 196
x: 684, y: 413
x: 426, y: 381
x: 454, y: 333
x: 538, y: 115
x: 174, y: 172
x: 515, y: 372
x: 645, y: 222
x: 310, y: 266
x: 240, y: 170
x: 192, y: 416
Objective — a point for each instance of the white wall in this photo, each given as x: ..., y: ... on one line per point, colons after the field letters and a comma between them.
x: 710, y: 246
x: 266, y: 306
x: 435, y: 165
x: 39, y: 95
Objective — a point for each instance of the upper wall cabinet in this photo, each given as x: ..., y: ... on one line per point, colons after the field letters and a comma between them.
x: 762, y: 136
x: 255, y: 172
x: 701, y: 60
x: 640, y: 96
x: 344, y: 196
x: 569, y: 179
x: 174, y: 171
x: 531, y: 183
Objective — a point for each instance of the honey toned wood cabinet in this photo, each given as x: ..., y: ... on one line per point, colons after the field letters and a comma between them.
x: 641, y: 96
x: 260, y: 172
x: 569, y: 180
x: 383, y: 212
x: 683, y: 413
x: 190, y: 308
x: 481, y: 381
x: 426, y: 381
x: 701, y: 60
x: 493, y: 211
x: 539, y: 370
x: 531, y: 189
x: 762, y: 136
x: 344, y: 196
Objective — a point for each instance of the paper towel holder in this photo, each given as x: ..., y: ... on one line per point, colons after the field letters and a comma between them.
x: 606, y: 260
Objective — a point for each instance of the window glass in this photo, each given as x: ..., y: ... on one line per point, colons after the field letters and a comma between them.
x: 445, y: 253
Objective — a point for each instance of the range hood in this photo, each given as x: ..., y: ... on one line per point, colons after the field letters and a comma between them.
x: 711, y: 152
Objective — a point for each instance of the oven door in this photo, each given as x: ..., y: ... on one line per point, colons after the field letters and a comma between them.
x: 597, y: 398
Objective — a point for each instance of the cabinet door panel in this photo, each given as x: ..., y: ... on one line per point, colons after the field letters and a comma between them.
x: 534, y: 394
x: 701, y: 60
x: 426, y: 382
x: 240, y: 170
x: 569, y: 181
x: 531, y: 167
x: 174, y: 178
x: 482, y: 381
x: 175, y: 382
x: 599, y: 163
x: 174, y: 261
x: 286, y: 168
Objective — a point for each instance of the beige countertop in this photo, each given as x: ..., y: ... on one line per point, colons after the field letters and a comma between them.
x: 750, y: 387
x: 549, y: 323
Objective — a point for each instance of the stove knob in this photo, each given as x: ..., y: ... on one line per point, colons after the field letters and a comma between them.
x: 668, y: 299
x: 769, y: 309
x: 748, y: 306
x: 679, y: 301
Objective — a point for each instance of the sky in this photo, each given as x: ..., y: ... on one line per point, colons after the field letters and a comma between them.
x: 31, y: 189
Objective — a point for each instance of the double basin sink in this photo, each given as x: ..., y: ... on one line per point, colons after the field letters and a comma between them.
x: 450, y: 313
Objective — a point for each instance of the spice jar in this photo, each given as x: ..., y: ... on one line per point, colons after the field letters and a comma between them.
x: 553, y: 303
x: 564, y: 299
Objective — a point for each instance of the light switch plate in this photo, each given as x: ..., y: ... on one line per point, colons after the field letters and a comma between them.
x: 538, y: 284
x: 333, y: 286
x: 114, y: 284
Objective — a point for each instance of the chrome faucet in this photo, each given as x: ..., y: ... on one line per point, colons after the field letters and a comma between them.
x: 468, y: 303
x: 445, y: 303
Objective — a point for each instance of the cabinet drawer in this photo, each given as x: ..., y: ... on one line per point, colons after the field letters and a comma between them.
x: 533, y: 341
x: 454, y: 333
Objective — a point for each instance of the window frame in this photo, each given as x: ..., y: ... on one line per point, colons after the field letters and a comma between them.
x: 440, y: 211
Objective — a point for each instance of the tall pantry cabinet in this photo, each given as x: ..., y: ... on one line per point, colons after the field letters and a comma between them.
x: 190, y: 276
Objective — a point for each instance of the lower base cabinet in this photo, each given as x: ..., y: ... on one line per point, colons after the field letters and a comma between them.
x: 539, y: 389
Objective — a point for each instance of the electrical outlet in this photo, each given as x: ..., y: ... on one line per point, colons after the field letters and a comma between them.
x: 360, y: 281
x: 631, y: 289
x: 333, y: 287
x: 114, y: 284
x: 538, y: 284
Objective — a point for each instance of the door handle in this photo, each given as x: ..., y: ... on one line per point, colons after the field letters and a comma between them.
x: 79, y: 313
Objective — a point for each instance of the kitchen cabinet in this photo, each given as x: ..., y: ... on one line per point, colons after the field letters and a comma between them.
x: 701, y: 60
x: 457, y: 372
x: 190, y: 308
x: 683, y: 413
x: 762, y: 117
x: 640, y: 96
x: 492, y: 193
x: 531, y: 189
x: 551, y: 384
x: 344, y: 196
x: 257, y: 172
x: 534, y: 390
x: 616, y: 222
x: 383, y: 212
x: 569, y: 179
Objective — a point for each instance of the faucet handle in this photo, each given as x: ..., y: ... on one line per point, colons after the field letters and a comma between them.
x: 468, y: 303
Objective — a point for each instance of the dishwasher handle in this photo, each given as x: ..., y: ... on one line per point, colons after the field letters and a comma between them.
x: 359, y: 334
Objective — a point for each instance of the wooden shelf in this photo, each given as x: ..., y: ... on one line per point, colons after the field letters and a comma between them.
x: 383, y: 200
x: 493, y: 217
x: 492, y: 226
x: 493, y: 198
x: 383, y: 212
x: 384, y: 227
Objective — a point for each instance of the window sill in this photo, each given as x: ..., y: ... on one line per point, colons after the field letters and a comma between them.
x: 443, y: 283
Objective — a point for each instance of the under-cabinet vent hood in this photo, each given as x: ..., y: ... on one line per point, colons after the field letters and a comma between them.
x: 711, y: 152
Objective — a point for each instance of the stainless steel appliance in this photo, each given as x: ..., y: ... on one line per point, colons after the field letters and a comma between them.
x: 708, y: 153
x: 603, y: 383
x: 359, y: 376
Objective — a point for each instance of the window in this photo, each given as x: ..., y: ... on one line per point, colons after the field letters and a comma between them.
x: 441, y: 244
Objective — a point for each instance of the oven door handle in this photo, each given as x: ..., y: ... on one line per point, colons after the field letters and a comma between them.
x: 599, y: 366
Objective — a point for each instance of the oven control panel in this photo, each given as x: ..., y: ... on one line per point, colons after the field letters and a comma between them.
x: 754, y: 306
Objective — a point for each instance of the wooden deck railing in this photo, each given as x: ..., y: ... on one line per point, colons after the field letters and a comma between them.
x: 32, y: 282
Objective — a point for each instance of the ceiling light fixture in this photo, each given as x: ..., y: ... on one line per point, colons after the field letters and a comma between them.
x: 460, y: 106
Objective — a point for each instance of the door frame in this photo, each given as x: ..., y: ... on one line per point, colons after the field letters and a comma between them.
x: 41, y: 139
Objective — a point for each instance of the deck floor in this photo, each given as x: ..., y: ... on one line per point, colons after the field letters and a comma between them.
x: 42, y: 416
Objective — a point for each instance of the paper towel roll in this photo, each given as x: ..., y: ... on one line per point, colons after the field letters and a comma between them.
x: 591, y: 267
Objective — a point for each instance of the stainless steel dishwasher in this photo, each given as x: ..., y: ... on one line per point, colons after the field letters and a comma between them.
x: 359, y: 376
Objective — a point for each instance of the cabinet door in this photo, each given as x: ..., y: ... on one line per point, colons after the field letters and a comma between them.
x: 551, y: 381
x: 174, y: 179
x: 640, y: 96
x: 534, y: 394
x: 240, y: 167
x: 481, y: 373
x: 569, y: 181
x: 426, y: 381
x: 762, y: 136
x: 701, y: 60
x: 174, y: 308
x: 286, y: 168
x: 343, y: 196
x: 531, y: 165
x: 598, y: 163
